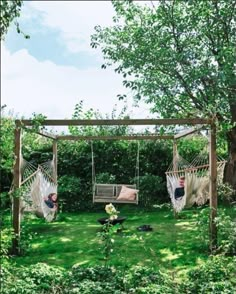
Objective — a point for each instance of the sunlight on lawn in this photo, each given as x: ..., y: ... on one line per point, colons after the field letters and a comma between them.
x: 183, y: 224
x: 63, y: 239
x: 169, y: 255
x: 172, y: 243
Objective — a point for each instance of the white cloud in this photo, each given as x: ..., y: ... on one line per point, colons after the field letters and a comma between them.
x: 29, y: 85
x: 43, y: 87
x: 75, y: 20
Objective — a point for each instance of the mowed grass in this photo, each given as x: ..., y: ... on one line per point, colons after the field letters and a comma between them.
x: 173, y: 244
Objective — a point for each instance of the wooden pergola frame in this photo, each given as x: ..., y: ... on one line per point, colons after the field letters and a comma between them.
x: 198, y: 123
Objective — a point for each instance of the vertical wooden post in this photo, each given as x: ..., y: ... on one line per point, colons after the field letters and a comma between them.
x: 213, y: 188
x: 16, y: 199
x: 55, y: 160
x: 175, y: 166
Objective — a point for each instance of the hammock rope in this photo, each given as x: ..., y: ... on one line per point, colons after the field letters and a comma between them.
x: 137, y: 166
x: 38, y: 182
x: 196, y: 180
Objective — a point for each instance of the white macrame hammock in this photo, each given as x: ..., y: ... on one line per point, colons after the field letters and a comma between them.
x: 38, y: 182
x: 197, y: 179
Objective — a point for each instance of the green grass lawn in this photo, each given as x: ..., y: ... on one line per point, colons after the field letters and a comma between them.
x: 173, y: 244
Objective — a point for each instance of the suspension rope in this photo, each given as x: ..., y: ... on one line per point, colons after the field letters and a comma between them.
x: 93, y: 169
x: 137, y: 165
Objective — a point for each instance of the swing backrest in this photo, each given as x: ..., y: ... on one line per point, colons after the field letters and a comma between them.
x: 108, y: 193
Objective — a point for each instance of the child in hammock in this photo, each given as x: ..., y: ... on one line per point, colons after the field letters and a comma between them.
x: 179, y: 192
x: 51, y: 201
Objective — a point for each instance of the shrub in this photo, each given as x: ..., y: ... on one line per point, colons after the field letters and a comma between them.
x: 203, y: 227
x: 152, y: 190
x: 226, y: 230
x: 70, y: 193
x: 40, y: 278
x: 6, y: 242
x: 105, y: 178
x: 145, y: 278
x: 215, y: 276
x: 26, y: 238
x: 227, y: 233
x: 96, y: 273
x: 225, y: 192
x: 97, y: 279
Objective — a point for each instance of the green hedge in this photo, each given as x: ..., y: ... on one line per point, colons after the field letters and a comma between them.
x: 216, y: 276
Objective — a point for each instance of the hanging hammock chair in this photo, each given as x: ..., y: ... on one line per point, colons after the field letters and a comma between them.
x: 115, y: 193
x: 38, y: 182
x: 188, y: 183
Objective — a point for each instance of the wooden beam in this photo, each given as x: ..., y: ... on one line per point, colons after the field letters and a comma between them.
x: 113, y: 122
x: 46, y: 134
x: 187, y: 132
x: 125, y: 137
x: 213, y: 188
x: 54, y: 148
x: 175, y: 167
x: 16, y: 199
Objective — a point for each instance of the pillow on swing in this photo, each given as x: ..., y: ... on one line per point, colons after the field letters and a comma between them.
x: 127, y: 194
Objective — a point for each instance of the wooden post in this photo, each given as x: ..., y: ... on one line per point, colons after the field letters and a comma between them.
x: 16, y: 199
x: 213, y: 188
x: 55, y: 160
x: 175, y: 166
x: 175, y: 153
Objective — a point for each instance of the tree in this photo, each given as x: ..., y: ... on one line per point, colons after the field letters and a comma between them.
x: 10, y: 10
x: 180, y: 57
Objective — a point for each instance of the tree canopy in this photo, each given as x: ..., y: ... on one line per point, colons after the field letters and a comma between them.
x: 179, y: 56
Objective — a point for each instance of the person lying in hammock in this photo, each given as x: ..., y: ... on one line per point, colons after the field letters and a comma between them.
x: 51, y: 201
x: 179, y: 192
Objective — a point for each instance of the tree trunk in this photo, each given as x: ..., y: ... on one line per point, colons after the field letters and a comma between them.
x: 230, y: 168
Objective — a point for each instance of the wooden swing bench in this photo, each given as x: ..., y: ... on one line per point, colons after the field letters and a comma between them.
x: 108, y: 193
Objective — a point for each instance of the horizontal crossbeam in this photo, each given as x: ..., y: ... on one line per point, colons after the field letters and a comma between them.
x: 113, y: 122
x: 125, y: 137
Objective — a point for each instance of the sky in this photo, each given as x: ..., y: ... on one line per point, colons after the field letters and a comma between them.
x: 57, y: 68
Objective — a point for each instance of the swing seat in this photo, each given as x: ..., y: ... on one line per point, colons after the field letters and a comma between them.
x: 108, y: 193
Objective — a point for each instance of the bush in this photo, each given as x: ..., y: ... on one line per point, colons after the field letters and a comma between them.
x: 152, y: 190
x: 6, y: 243
x: 225, y: 192
x: 105, y: 178
x: 40, y: 278
x: 88, y: 287
x: 70, y: 193
x: 97, y: 279
x: 140, y: 279
x: 103, y: 279
x: 227, y: 233
x: 96, y: 273
x: 215, y: 276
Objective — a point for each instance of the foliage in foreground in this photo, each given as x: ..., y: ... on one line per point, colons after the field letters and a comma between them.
x: 226, y: 225
x: 215, y: 276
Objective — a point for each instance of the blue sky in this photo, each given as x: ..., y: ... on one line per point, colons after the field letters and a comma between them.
x: 56, y: 68
x: 45, y: 42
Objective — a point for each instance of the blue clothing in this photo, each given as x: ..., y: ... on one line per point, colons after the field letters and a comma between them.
x: 179, y: 192
x: 49, y: 203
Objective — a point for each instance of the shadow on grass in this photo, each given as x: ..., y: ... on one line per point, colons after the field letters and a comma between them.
x: 172, y: 244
